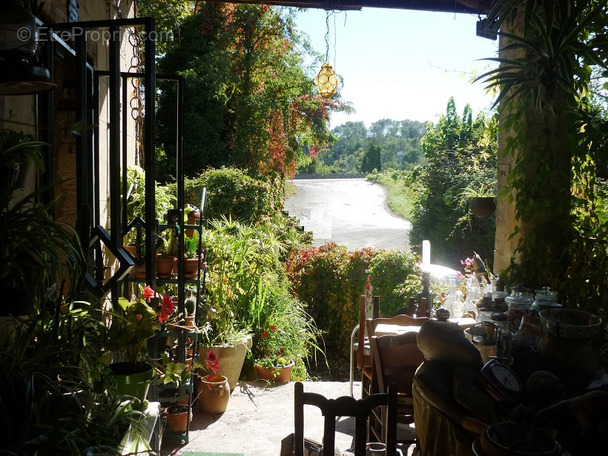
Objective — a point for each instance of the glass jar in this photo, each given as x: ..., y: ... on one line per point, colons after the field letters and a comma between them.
x: 519, y: 304
x: 544, y: 298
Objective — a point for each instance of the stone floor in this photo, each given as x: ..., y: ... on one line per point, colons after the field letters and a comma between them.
x: 258, y: 417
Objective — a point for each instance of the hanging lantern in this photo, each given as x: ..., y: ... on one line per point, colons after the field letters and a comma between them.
x: 20, y: 71
x: 326, y: 81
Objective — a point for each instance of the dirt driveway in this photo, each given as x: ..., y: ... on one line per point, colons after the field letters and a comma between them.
x: 350, y: 212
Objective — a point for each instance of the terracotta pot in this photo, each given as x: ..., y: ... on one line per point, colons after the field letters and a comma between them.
x: 165, y: 267
x: 231, y: 359
x: 483, y: 207
x: 177, y: 418
x: 138, y: 271
x: 213, y: 393
x: 190, y: 321
x: 276, y: 374
x: 191, y: 266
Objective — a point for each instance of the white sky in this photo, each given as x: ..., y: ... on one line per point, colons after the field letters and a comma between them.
x: 402, y: 64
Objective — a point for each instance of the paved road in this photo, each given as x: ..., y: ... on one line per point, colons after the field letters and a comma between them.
x: 350, y: 212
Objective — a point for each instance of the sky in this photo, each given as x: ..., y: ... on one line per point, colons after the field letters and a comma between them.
x: 402, y: 64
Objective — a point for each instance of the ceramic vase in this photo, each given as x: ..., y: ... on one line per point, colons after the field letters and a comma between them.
x: 213, y: 393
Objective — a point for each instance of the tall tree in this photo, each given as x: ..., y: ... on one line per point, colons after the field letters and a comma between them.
x: 460, y: 153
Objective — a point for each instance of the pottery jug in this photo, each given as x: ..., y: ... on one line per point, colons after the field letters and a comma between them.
x: 213, y: 394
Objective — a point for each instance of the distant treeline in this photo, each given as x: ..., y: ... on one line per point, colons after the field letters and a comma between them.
x: 386, y: 144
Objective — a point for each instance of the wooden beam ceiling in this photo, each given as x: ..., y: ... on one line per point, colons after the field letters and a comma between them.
x: 447, y: 6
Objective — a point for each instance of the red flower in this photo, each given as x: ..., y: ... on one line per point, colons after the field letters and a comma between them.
x: 273, y: 328
x: 166, y: 309
x: 148, y: 293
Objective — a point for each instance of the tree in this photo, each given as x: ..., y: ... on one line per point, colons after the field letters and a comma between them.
x: 249, y: 102
x: 460, y: 152
x: 371, y: 159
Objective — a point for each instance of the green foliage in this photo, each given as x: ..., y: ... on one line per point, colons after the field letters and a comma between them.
x: 395, y: 278
x: 460, y: 154
x: 371, y: 159
x: 247, y: 290
x: 399, y: 143
x: 544, y: 85
x: 282, y: 330
x: 52, y: 400
x: 330, y: 280
x: 249, y: 102
x: 231, y: 193
x: 402, y: 191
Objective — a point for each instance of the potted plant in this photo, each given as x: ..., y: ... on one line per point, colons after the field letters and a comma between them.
x: 481, y: 198
x: 17, y: 152
x: 128, y: 336
x: 36, y: 251
x: 275, y: 368
x: 284, y: 336
x: 192, y: 260
x: 213, y: 390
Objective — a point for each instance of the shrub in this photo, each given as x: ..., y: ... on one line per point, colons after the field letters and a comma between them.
x: 231, y: 193
x: 330, y: 280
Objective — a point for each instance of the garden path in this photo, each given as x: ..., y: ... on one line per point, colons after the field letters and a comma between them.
x: 350, y: 212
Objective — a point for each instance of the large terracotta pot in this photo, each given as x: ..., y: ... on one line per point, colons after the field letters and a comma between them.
x: 231, y: 359
x: 213, y: 393
x: 132, y: 379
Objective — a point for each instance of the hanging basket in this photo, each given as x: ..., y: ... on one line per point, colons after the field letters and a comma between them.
x: 483, y: 206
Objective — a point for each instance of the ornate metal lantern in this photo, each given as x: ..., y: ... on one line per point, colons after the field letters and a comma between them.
x: 326, y: 81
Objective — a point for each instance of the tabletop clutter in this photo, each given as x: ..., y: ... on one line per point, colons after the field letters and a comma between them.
x: 525, y: 372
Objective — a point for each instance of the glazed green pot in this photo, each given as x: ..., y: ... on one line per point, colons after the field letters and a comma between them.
x: 132, y: 379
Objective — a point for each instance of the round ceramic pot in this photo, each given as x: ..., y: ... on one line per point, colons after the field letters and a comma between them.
x: 276, y: 374
x: 177, y: 418
x: 213, y: 393
x: 132, y: 379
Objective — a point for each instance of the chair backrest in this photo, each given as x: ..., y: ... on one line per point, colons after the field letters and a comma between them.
x: 401, y: 320
x: 362, y: 359
x: 360, y: 409
x: 396, y: 358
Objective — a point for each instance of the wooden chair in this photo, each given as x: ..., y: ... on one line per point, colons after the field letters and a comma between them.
x: 396, y: 359
x: 363, y: 355
x: 369, y: 382
x: 360, y: 409
x: 401, y: 320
